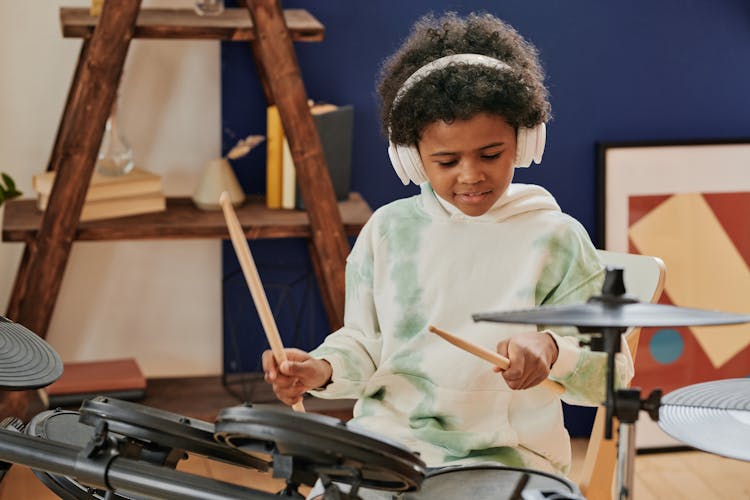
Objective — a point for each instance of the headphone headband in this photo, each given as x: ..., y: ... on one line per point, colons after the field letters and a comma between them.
x: 442, y: 62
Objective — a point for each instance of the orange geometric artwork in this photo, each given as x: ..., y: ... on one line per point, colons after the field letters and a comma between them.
x: 704, y: 240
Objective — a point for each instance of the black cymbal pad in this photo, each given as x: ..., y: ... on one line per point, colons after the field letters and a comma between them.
x: 597, y: 314
x: 26, y: 360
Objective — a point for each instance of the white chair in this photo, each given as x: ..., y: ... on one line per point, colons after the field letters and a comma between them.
x: 644, y: 278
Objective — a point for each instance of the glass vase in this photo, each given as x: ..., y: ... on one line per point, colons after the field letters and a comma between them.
x: 115, y: 154
x: 209, y: 7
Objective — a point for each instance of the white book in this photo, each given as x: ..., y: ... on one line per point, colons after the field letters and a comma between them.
x: 101, y: 187
x: 116, y: 207
x: 288, y: 178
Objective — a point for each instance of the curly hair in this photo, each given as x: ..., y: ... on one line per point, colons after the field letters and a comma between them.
x: 517, y: 94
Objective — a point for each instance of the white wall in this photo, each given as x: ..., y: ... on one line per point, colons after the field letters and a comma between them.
x: 157, y: 301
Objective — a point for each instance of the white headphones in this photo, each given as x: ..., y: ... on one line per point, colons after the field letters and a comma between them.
x: 406, y: 160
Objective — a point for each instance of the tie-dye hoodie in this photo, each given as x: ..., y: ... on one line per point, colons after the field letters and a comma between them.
x: 420, y: 262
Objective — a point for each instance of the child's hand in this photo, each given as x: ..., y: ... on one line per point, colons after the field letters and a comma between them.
x: 299, y: 374
x: 531, y: 358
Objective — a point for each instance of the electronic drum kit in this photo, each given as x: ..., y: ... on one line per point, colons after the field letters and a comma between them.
x: 114, y: 449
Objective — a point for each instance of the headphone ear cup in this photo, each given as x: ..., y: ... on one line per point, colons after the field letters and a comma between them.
x: 396, y: 162
x: 522, y: 150
x: 407, y: 163
x: 540, y: 141
x: 530, y: 144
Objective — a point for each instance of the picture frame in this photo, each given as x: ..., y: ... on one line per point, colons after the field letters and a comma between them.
x: 657, y: 167
x: 687, y: 202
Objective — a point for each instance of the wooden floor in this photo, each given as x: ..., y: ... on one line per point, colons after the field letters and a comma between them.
x: 678, y: 475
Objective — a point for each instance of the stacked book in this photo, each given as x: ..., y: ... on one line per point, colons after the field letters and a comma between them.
x: 335, y: 126
x: 136, y: 192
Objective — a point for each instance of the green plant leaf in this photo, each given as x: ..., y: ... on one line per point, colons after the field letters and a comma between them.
x: 9, y: 192
x: 9, y: 182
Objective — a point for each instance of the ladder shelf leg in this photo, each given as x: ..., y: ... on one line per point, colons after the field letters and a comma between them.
x: 92, y: 93
x: 276, y: 57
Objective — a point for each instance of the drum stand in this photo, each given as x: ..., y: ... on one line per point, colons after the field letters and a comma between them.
x: 624, y: 404
x: 100, y: 465
x: 333, y: 492
x: 295, y: 472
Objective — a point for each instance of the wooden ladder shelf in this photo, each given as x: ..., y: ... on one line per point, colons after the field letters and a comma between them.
x: 106, y: 39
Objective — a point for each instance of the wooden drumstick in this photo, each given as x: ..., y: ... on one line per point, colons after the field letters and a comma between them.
x: 242, y: 249
x: 496, y: 359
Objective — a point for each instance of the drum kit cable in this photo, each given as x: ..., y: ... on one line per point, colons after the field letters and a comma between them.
x: 113, y: 449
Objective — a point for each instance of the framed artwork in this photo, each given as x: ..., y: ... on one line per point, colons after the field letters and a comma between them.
x: 689, y: 204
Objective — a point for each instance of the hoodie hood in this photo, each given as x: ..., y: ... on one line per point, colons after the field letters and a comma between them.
x: 517, y: 199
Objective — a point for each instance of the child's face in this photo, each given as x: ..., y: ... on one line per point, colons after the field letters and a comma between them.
x: 469, y: 163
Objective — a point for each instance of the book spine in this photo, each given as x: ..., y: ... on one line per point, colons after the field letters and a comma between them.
x: 41, y: 202
x: 274, y: 153
x: 42, y: 183
x: 136, y: 183
x: 107, y: 212
x: 121, y: 207
x: 288, y: 178
x: 335, y: 126
x: 132, y: 188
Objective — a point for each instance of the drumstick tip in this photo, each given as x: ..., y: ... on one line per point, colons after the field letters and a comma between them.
x: 441, y: 333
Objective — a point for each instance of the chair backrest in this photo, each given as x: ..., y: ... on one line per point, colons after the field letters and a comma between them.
x: 644, y: 278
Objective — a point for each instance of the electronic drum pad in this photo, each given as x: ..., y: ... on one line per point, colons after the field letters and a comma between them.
x: 163, y: 430
x: 322, y: 444
x: 711, y: 416
x: 26, y: 360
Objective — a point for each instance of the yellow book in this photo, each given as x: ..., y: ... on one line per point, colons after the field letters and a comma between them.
x: 116, y: 207
x: 96, y: 7
x: 102, y: 187
x: 274, y: 154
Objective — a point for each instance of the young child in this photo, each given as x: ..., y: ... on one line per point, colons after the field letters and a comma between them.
x: 463, y: 104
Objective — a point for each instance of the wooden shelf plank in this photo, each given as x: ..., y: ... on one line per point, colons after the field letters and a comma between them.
x: 232, y: 24
x: 183, y: 220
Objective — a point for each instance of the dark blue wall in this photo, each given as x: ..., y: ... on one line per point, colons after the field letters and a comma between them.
x: 617, y: 71
x: 637, y: 70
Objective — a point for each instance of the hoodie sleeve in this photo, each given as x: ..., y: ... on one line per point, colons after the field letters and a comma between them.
x: 354, y: 350
x: 573, y: 274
